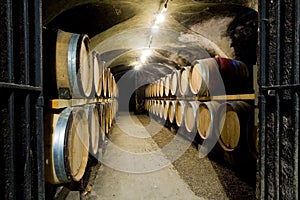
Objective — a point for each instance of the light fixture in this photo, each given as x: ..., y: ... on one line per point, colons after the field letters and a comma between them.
x: 160, y: 17
x: 137, y: 67
x: 145, y: 54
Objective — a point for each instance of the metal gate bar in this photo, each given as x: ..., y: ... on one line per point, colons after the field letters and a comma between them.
x: 279, y: 88
x: 21, y: 102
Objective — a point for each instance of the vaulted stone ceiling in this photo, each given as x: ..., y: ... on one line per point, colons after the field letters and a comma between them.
x: 121, y: 30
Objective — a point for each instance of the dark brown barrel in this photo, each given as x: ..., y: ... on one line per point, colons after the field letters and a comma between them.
x: 190, y: 112
x: 235, y: 75
x: 206, y: 117
x: 66, y: 146
x: 172, y: 111
x: 174, y: 83
x: 235, y: 125
x: 74, y: 72
x: 179, y: 113
x: 92, y: 113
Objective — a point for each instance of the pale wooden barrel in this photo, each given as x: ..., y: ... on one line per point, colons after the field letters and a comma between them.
x: 166, y: 109
x: 104, y: 82
x: 184, y: 86
x: 217, y: 74
x: 156, y: 107
x: 206, y: 117
x: 98, y: 73
x: 66, y: 145
x: 161, y: 109
x: 234, y: 126
x: 92, y: 114
x: 190, y: 113
x: 73, y: 68
x: 109, y: 116
x: 114, y: 85
x: 202, y: 74
x: 174, y: 83
x: 109, y: 83
x: 179, y: 113
x: 154, y: 89
x: 161, y: 86
x: 157, y: 88
x: 103, y: 119
x: 153, y: 107
x: 151, y: 90
x: 115, y: 105
x: 167, y: 85
x: 172, y: 111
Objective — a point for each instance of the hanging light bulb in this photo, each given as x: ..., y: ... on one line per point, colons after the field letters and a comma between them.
x: 137, y: 67
x: 145, y: 54
x: 160, y: 17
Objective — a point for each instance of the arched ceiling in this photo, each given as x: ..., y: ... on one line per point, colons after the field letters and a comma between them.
x: 193, y: 29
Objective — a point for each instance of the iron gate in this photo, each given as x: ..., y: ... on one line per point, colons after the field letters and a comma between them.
x: 21, y: 101
x: 279, y: 100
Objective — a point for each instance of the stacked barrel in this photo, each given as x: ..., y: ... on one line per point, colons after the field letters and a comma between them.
x: 185, y: 99
x: 75, y: 134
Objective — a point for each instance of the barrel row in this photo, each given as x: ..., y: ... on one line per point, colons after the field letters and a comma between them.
x: 232, y: 122
x: 79, y: 72
x: 205, y: 77
x: 72, y: 136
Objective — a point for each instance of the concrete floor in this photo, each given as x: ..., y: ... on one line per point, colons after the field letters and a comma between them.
x: 131, y: 178
x: 135, y: 168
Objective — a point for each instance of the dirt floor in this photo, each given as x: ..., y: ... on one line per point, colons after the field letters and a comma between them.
x: 127, y: 175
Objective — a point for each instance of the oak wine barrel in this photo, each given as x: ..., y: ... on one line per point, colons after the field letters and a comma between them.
x: 179, y: 113
x: 235, y: 75
x: 206, y: 117
x: 190, y: 113
x: 184, y: 86
x: 103, y: 120
x: 92, y: 114
x: 235, y: 125
x: 66, y: 146
x: 104, y: 81
x: 172, y: 111
x: 167, y: 85
x: 202, y: 76
x: 174, y: 83
x: 98, y: 73
x: 73, y: 68
x: 161, y: 87
x: 166, y: 110
x: 214, y: 76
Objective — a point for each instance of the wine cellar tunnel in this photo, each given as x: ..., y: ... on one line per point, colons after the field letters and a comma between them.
x: 164, y: 99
